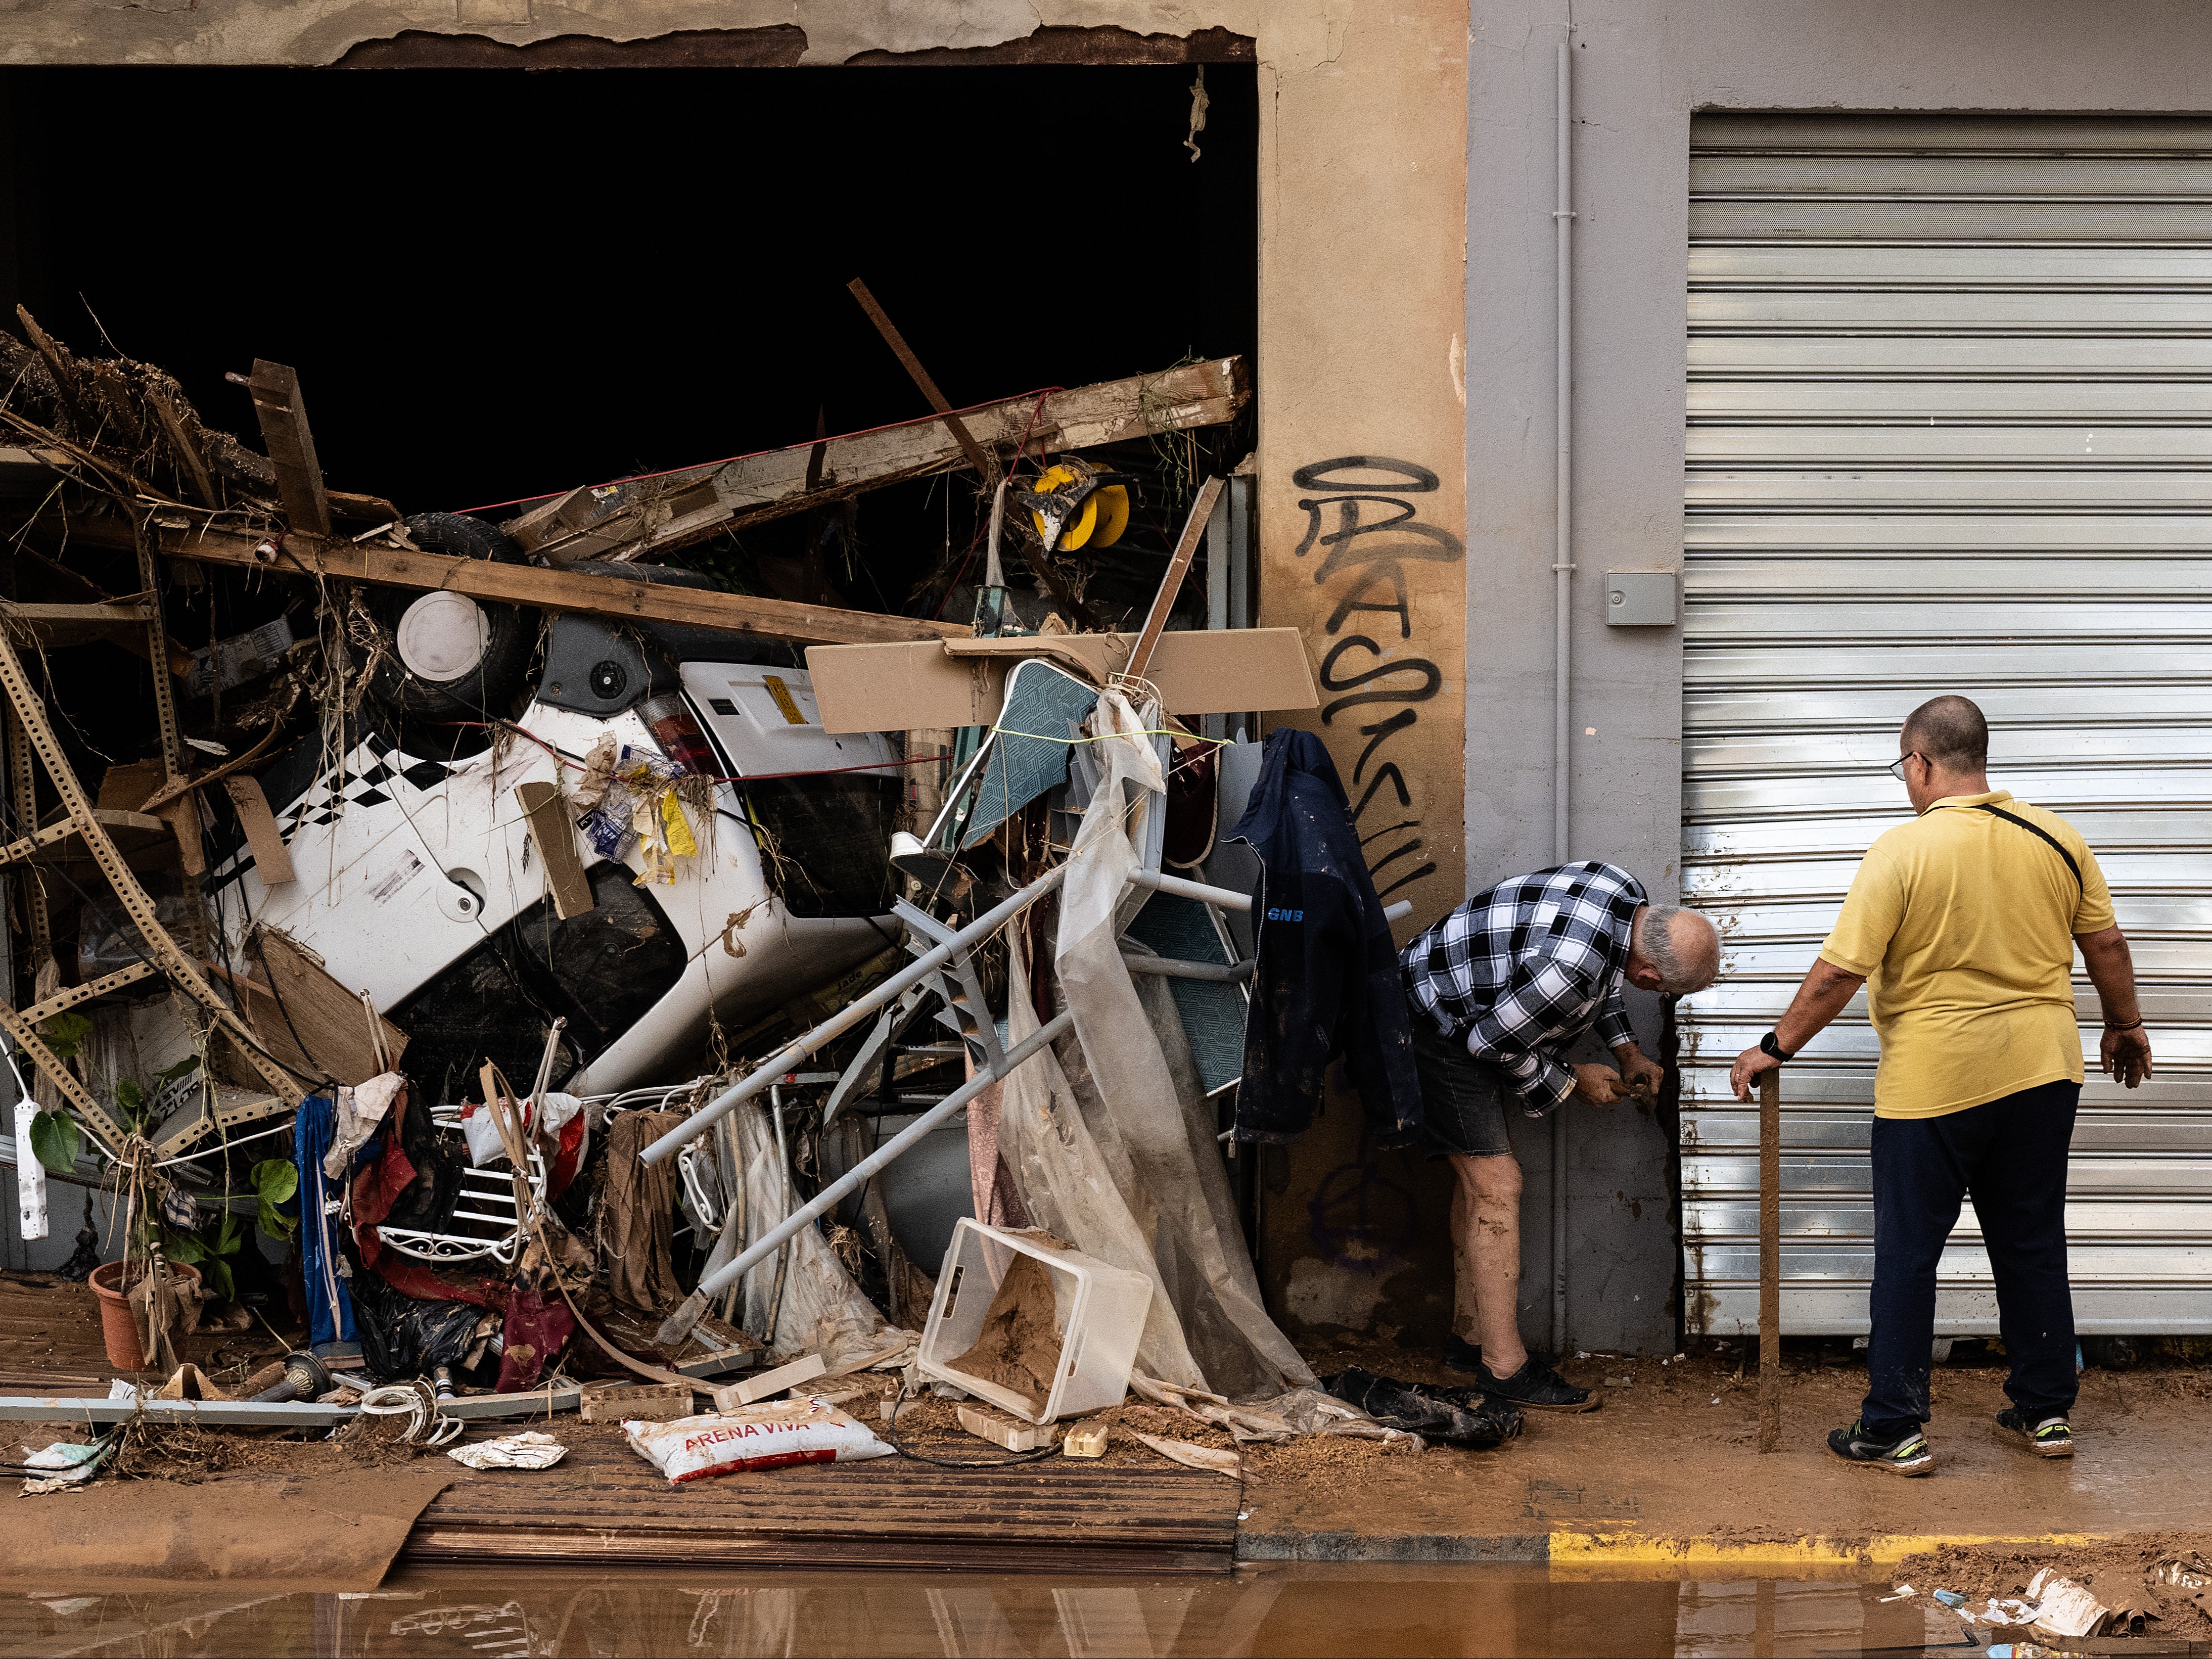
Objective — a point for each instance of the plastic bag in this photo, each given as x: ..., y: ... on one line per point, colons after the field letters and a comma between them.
x: 770, y: 1435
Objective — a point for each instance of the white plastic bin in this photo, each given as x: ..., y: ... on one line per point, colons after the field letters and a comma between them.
x: 1099, y: 1309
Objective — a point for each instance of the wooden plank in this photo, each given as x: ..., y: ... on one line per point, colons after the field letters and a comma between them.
x: 291, y: 446
x: 619, y: 521
x: 889, y: 1513
x: 527, y: 584
x: 300, y: 995
x: 1156, y: 619
x: 76, y: 624
x: 44, y: 575
x: 182, y: 814
x: 545, y: 807
x: 272, y: 860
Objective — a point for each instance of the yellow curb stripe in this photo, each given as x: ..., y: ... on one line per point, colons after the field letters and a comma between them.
x: 1623, y: 1549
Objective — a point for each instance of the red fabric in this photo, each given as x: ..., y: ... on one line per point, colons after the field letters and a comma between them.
x: 537, y: 1329
x: 564, y: 1161
x: 376, y: 1188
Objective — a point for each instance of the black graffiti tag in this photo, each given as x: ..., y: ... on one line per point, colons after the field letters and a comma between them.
x: 1376, y: 531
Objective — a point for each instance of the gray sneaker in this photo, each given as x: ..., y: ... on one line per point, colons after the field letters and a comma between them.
x: 2052, y: 1437
x: 1910, y: 1455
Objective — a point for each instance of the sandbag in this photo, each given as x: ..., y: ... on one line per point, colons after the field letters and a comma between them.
x: 770, y: 1435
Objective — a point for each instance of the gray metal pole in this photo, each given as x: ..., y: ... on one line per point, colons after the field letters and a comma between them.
x: 854, y: 1178
x: 771, y: 1071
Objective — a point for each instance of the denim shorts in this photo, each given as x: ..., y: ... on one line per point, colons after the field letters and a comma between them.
x: 1462, y: 1098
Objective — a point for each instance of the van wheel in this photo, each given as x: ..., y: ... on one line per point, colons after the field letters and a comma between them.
x: 447, y: 656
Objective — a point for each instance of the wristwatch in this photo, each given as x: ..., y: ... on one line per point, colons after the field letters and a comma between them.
x: 1772, y: 1049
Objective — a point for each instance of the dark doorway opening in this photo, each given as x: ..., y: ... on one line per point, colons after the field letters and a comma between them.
x: 496, y: 284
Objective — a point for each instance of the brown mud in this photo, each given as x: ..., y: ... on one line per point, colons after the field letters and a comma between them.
x: 2121, y: 1572
x: 1018, y: 1346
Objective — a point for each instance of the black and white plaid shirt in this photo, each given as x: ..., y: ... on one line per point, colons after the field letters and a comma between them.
x: 1525, y: 969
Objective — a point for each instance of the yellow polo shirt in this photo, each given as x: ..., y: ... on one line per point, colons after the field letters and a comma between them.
x: 1963, y: 926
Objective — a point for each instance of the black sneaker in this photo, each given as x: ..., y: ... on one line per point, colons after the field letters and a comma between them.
x: 1909, y: 1456
x: 1460, y: 1354
x: 1420, y: 1409
x: 2052, y: 1437
x: 1535, y: 1387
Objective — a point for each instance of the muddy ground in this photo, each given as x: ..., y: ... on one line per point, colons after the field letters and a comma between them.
x: 1671, y: 1454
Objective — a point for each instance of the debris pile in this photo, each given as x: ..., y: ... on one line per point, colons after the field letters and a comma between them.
x: 758, y: 887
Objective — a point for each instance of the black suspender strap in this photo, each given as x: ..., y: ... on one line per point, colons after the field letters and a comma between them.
x: 2036, y: 830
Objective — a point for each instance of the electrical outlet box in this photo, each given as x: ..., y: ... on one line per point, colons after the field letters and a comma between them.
x: 1639, y: 599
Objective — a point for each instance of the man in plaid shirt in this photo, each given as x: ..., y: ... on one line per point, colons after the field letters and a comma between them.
x: 1509, y: 982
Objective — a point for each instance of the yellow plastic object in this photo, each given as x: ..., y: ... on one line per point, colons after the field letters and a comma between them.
x: 1078, y: 527
x: 1113, y: 504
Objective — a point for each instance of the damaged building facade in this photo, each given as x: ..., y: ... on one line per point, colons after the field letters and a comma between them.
x: 1691, y: 662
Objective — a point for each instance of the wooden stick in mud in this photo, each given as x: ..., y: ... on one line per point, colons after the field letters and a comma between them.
x: 1770, y: 1261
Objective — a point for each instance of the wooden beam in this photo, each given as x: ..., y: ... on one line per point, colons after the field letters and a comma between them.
x: 646, y: 517
x: 75, y: 624
x: 272, y: 860
x: 524, y: 585
x: 1172, y: 584
x: 896, y: 341
x: 194, y: 465
x: 291, y: 446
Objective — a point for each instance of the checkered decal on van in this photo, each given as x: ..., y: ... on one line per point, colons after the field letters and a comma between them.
x: 322, y: 804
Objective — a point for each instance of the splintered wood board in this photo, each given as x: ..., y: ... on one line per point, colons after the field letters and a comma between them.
x: 325, y: 1013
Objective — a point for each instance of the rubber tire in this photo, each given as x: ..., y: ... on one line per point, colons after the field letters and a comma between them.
x: 489, y: 691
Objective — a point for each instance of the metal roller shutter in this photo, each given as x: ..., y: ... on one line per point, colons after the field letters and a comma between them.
x: 1950, y: 429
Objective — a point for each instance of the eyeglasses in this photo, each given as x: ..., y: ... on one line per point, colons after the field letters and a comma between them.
x: 1896, y: 768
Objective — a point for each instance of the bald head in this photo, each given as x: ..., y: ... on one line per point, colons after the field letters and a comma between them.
x: 1950, y: 733
x: 1673, y: 950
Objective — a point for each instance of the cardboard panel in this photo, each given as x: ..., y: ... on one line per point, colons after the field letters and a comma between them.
x: 909, y: 685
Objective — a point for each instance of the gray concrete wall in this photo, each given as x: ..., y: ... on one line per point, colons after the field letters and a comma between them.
x: 1640, y: 71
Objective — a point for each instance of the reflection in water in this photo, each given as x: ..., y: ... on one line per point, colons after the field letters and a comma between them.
x: 542, y: 1612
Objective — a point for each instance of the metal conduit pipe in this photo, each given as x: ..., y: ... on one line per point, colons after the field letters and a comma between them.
x: 1563, y: 572
x: 836, y: 1193
x: 1227, y: 900
x: 771, y: 1071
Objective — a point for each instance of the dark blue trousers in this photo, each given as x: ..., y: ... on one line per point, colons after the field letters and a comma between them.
x: 2011, y: 1155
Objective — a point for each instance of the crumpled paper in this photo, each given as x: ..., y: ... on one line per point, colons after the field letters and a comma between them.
x: 530, y: 1449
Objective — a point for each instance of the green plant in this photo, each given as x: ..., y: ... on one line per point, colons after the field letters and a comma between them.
x: 55, y: 1140
x: 274, y: 1180
x: 212, y: 1256
x: 65, y: 1034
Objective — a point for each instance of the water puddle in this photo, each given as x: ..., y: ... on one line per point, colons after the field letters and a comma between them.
x: 523, y: 1613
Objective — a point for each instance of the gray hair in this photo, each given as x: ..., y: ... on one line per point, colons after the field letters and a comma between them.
x: 1680, y: 971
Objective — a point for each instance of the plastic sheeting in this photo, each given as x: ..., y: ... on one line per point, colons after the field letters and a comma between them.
x: 1069, y: 1189
x: 1151, y: 1117
x: 822, y: 1309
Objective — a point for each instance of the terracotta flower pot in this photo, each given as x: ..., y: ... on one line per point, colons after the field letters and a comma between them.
x: 119, y: 1323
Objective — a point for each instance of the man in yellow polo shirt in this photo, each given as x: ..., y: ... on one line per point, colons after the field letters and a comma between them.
x: 1962, y: 924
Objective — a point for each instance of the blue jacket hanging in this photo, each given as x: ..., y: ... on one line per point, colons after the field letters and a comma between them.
x: 330, y: 1309
x: 1326, y: 986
